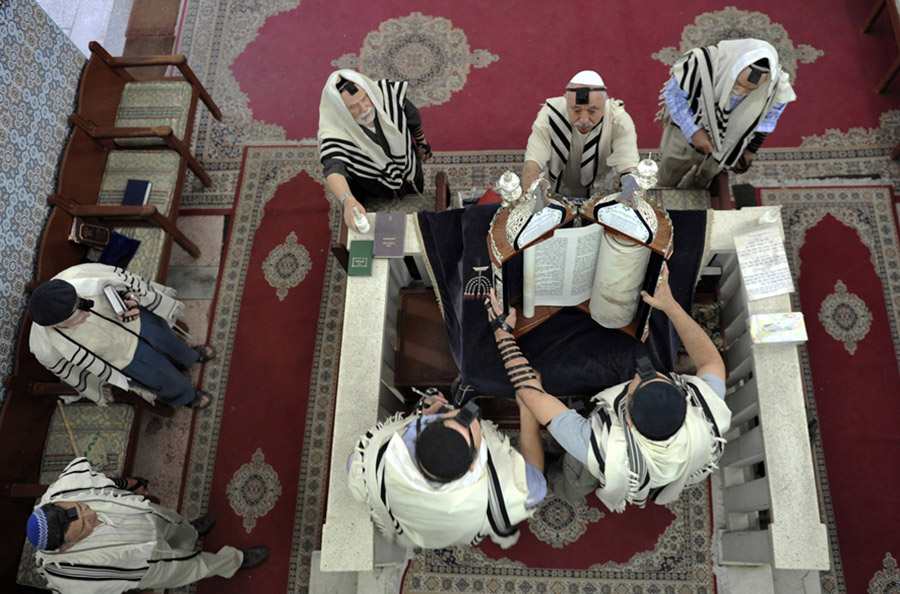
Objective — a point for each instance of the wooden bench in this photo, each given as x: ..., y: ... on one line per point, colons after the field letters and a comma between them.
x: 147, y: 113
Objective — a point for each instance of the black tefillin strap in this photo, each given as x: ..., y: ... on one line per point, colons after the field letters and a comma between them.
x: 583, y: 94
x: 518, y: 374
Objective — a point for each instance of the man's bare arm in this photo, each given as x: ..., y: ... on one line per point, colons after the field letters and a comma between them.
x: 337, y: 183
x: 530, y: 172
x: 699, y: 347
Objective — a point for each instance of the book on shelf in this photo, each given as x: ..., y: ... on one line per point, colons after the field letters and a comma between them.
x: 89, y: 234
x: 137, y: 192
x: 360, y: 259
x: 390, y: 233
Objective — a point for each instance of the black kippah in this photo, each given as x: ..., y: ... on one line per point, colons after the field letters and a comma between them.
x: 442, y: 452
x: 53, y: 302
x: 657, y: 410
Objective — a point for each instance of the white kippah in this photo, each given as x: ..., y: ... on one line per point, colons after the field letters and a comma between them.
x: 587, y: 77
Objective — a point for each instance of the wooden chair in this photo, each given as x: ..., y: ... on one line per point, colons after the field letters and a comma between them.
x: 92, y: 180
x: 144, y: 114
x: 895, y: 24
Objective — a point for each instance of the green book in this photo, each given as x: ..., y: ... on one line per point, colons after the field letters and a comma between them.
x: 360, y: 262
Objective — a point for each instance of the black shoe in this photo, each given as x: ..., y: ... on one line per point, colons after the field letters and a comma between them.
x: 254, y: 556
x: 204, y: 524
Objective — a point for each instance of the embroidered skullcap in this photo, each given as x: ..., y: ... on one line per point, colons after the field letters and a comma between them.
x: 658, y: 410
x: 45, y: 528
x: 587, y: 77
x: 443, y: 452
x: 53, y: 302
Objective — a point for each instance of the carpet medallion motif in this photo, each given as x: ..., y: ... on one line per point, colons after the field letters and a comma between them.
x: 679, y: 562
x: 429, y: 52
x: 287, y: 266
x: 253, y: 490
x: 264, y: 170
x: 559, y: 523
x: 887, y: 580
x: 845, y: 317
x: 712, y: 27
x: 868, y: 212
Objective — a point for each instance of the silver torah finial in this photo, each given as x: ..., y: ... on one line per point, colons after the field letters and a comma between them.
x: 509, y: 188
x: 645, y: 174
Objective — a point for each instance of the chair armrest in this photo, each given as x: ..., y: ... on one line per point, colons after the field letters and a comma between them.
x: 103, y: 211
x: 177, y: 60
x: 111, y: 133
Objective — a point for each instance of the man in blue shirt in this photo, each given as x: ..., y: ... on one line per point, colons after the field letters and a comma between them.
x: 720, y: 104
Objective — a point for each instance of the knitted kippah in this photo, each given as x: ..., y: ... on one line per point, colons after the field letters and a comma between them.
x: 44, y: 527
x: 443, y: 452
x: 658, y: 410
x: 53, y: 302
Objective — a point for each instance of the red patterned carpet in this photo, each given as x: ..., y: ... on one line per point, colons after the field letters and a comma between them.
x: 843, y: 247
x: 255, y: 448
x: 481, y: 73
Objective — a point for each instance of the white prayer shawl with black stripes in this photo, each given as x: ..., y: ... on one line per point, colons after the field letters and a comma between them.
x: 410, y: 510
x: 632, y: 469
x: 78, y: 365
x: 341, y: 138
x: 599, y: 158
x: 107, y: 567
x: 708, y: 74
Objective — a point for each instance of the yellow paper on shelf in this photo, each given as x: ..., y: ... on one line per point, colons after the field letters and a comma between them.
x: 780, y: 327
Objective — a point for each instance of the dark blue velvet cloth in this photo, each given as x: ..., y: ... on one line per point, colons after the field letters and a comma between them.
x: 575, y: 355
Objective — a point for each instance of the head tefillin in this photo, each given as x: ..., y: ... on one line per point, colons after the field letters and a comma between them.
x: 346, y: 85
x: 657, y: 408
x: 757, y: 69
x: 47, y: 525
x: 583, y: 94
x: 442, y: 453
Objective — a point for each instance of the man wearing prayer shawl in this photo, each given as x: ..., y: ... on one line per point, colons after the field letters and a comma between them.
x: 78, y: 336
x: 583, y: 141
x: 371, y: 142
x: 719, y: 106
x: 437, y: 479
x: 645, y: 439
x: 93, y: 537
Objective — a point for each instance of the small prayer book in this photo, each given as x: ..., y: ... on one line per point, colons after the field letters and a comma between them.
x: 96, y: 236
x: 390, y: 232
x: 137, y: 192
x: 360, y: 260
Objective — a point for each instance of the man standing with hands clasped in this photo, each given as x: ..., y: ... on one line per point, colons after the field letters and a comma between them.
x: 720, y: 104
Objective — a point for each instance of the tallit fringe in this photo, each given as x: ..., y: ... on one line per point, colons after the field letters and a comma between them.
x: 505, y: 542
x: 715, y: 452
x: 387, y: 530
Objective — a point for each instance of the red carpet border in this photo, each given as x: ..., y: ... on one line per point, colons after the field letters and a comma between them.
x: 843, y: 248
x: 583, y: 549
x: 258, y: 459
x: 480, y: 71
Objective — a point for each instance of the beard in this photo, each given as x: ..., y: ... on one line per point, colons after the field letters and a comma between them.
x: 366, y: 119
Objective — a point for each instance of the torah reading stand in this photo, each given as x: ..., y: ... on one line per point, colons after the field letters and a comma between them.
x: 502, y: 249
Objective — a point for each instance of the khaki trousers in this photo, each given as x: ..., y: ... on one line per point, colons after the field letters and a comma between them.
x: 678, y: 155
x: 189, y: 566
